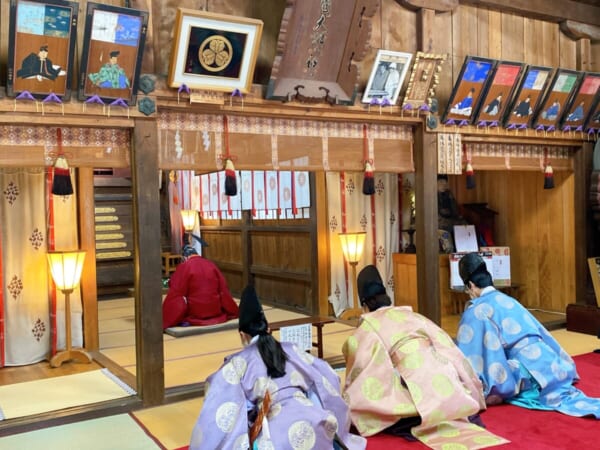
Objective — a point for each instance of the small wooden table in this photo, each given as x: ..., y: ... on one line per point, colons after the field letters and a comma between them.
x: 315, y: 321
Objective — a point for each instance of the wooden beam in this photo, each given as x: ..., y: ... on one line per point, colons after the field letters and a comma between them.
x: 578, y: 30
x: 428, y: 281
x: 436, y: 5
x: 147, y: 262
x: 582, y: 165
x: 87, y: 233
x: 425, y: 27
x: 549, y: 10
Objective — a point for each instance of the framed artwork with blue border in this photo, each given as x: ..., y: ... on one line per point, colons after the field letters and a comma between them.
x: 593, y: 121
x: 41, y: 48
x: 529, y: 94
x: 556, y: 99
x: 468, y: 90
x: 112, y: 53
x: 499, y: 92
x: 582, y: 103
x: 214, y: 51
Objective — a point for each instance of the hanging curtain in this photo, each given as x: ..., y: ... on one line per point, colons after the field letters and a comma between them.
x: 350, y: 210
x: 31, y: 316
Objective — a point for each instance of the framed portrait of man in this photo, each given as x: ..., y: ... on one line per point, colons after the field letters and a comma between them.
x: 387, y: 76
x: 468, y: 89
x: 41, y: 47
x: 556, y: 99
x: 112, y: 53
x: 582, y: 103
x: 528, y: 96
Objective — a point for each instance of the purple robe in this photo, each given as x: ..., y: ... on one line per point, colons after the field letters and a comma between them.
x: 306, y: 410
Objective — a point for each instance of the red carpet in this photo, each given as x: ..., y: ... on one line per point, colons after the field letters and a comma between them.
x: 532, y: 430
x: 527, y: 429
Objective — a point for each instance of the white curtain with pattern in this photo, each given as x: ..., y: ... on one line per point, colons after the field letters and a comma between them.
x: 378, y: 215
x: 32, y: 315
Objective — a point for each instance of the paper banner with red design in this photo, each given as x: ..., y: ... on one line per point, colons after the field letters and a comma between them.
x: 246, y: 189
x: 205, y: 189
x: 285, y: 190
x: 302, y: 189
x: 272, y: 190
x: 259, y: 192
x: 214, y: 192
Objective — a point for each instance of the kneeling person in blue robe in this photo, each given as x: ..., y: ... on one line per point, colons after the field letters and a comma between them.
x: 516, y: 358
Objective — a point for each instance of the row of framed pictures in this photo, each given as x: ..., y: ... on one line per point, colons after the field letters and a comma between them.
x: 517, y: 96
x: 42, y: 40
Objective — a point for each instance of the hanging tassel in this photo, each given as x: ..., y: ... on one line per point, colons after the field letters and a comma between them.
x: 61, y: 181
x: 230, y: 179
x: 368, y: 180
x: 548, y: 177
x: 470, y: 176
x: 548, y: 172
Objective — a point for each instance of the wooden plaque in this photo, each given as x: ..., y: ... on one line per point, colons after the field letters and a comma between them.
x: 318, y: 45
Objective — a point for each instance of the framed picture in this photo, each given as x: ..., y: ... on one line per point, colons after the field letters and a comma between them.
x: 214, y: 51
x: 113, y: 45
x: 41, y: 48
x: 469, y: 88
x: 423, y: 79
x: 387, y: 76
x: 528, y: 96
x: 557, y: 98
x: 593, y: 122
x: 499, y: 92
x: 582, y: 103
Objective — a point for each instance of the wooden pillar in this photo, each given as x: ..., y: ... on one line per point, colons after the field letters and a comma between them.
x: 428, y: 281
x: 320, y: 242
x: 87, y: 234
x: 582, y: 167
x: 425, y: 154
x: 148, y: 286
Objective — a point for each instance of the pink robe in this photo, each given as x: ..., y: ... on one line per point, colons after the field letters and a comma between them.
x: 399, y: 364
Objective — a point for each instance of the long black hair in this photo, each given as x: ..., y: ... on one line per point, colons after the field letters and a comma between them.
x: 270, y: 349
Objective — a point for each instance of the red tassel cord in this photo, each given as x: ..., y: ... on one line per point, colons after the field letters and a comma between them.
x: 548, y: 172
x: 469, y: 172
x: 230, y: 178
x: 368, y: 179
x: 61, y: 181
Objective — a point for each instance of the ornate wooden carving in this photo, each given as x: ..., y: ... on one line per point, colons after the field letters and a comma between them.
x: 319, y: 44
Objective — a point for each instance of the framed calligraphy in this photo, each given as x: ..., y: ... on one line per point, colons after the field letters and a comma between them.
x: 582, y: 103
x: 499, y: 93
x: 556, y: 99
x: 468, y: 90
x: 387, y: 76
x: 112, y: 53
x: 41, y: 48
x: 528, y: 96
x: 214, y: 51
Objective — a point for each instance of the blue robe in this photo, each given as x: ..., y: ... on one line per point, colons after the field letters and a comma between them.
x: 306, y: 406
x: 517, y: 359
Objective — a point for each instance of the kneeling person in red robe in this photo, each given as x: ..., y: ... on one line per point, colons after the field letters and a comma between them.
x: 198, y: 293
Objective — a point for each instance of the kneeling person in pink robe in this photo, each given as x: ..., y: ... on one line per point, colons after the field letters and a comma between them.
x: 198, y: 293
x: 406, y: 376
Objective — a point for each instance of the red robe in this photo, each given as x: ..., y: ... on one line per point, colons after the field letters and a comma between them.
x: 198, y: 294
